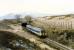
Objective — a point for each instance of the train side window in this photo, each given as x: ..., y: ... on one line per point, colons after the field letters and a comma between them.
x: 35, y: 30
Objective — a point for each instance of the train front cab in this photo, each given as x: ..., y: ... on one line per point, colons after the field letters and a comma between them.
x: 44, y: 34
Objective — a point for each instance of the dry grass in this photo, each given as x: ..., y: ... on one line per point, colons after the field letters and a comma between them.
x: 55, y: 26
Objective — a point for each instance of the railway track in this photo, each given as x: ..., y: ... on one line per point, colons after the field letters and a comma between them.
x: 53, y: 44
x: 56, y: 45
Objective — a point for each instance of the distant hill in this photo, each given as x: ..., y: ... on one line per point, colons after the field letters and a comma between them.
x: 10, y: 16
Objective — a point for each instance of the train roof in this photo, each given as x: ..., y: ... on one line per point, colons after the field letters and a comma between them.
x: 36, y: 28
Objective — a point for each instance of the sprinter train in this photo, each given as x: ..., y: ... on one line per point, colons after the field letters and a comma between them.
x: 35, y: 30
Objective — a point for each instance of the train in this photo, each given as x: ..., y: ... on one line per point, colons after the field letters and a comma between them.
x: 35, y: 30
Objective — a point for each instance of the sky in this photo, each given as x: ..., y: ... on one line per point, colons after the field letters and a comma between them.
x: 50, y: 7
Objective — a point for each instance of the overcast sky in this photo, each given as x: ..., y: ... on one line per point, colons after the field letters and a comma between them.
x: 37, y: 6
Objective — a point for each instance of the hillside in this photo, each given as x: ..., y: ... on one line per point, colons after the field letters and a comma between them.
x: 57, y: 27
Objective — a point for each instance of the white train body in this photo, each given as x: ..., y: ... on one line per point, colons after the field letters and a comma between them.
x: 36, y: 30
